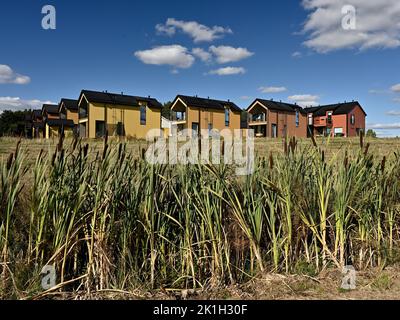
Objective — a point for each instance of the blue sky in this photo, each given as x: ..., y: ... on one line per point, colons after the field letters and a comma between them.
x: 237, y: 50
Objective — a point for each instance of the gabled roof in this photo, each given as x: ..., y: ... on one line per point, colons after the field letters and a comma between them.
x: 338, y: 108
x: 37, y: 113
x: 207, y: 103
x: 50, y: 108
x: 118, y: 99
x: 278, y: 106
x: 70, y: 104
x: 60, y: 123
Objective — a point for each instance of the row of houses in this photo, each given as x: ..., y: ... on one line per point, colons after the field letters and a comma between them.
x: 96, y: 114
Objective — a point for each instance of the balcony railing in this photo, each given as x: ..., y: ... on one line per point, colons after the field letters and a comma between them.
x: 179, y: 116
x: 83, y: 113
x: 258, y: 118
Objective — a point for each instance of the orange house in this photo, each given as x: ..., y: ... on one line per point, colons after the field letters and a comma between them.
x: 274, y: 119
x: 336, y: 120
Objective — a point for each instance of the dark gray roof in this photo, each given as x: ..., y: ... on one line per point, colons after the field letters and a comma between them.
x: 208, y: 103
x: 311, y: 109
x: 60, y: 123
x: 70, y: 104
x: 37, y: 113
x: 118, y: 99
x: 338, y: 108
x: 50, y: 108
x: 279, y: 106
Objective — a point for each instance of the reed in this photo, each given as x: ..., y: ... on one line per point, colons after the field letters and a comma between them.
x: 108, y: 219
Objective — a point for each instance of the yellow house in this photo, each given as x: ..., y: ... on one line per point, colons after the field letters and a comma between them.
x: 68, y: 109
x: 198, y: 114
x: 53, y: 125
x: 117, y: 115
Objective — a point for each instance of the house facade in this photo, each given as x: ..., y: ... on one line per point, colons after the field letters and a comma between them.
x: 274, y: 119
x: 336, y: 120
x: 101, y: 113
x: 203, y: 115
x: 37, y: 124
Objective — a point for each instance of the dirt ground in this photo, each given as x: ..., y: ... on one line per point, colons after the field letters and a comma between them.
x: 370, y: 285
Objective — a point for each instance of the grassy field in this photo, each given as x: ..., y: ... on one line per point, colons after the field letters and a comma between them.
x: 114, y: 226
x: 263, y: 147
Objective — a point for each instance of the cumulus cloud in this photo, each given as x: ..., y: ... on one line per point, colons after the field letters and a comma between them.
x: 246, y: 98
x: 202, y: 54
x: 395, y: 113
x: 226, y: 54
x: 396, y: 88
x: 272, y: 89
x: 305, y: 100
x: 8, y: 75
x: 198, y: 32
x: 173, y: 55
x: 377, y: 25
x: 384, y: 126
x: 16, y: 104
x: 228, y: 71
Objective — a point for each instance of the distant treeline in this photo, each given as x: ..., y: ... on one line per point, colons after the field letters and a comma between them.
x: 12, y: 123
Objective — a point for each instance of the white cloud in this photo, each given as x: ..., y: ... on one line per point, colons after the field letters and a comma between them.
x: 173, y: 55
x: 305, y: 100
x: 202, y: 54
x: 246, y: 98
x: 377, y: 25
x: 16, y: 103
x: 376, y: 91
x: 393, y: 113
x: 397, y: 100
x: 384, y: 126
x: 225, y: 54
x: 7, y: 75
x: 198, y: 32
x: 272, y: 89
x: 227, y: 71
x: 396, y: 88
x: 297, y: 54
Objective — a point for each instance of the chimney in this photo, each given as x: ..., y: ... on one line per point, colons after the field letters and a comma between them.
x: 122, y: 93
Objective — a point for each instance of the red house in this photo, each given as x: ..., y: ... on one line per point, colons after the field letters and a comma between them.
x: 336, y: 120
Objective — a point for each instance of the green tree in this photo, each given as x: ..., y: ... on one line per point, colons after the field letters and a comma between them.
x: 166, y: 110
x: 371, y: 133
x: 12, y: 123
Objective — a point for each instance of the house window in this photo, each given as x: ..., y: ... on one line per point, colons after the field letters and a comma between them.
x: 210, y: 127
x: 329, y: 117
x: 297, y: 118
x: 227, y: 117
x: 120, y: 129
x: 100, y: 129
x: 195, y: 129
x: 338, y: 132
x: 143, y: 115
x: 353, y: 119
x: 274, y: 131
